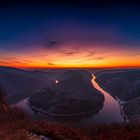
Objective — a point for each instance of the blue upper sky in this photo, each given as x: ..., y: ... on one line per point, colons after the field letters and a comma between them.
x: 28, y: 24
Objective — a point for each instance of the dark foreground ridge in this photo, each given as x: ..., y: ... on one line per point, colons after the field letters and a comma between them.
x: 73, y: 95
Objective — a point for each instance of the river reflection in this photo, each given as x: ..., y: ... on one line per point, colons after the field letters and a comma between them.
x: 108, y: 114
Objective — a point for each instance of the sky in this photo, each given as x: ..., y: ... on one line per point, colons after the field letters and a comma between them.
x: 69, y: 36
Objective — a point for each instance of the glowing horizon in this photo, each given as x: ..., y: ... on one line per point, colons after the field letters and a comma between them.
x: 62, y: 58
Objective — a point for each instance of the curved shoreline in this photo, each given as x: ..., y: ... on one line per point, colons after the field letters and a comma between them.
x: 122, y: 109
x: 121, y: 106
x: 60, y: 115
x: 78, y: 114
x: 63, y: 101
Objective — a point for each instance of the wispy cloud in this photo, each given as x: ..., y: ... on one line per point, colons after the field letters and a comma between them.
x: 90, y: 54
x: 135, y: 54
x: 99, y: 58
x: 14, y: 61
x: 96, y: 58
x: 50, y: 63
x: 50, y: 44
x: 69, y: 53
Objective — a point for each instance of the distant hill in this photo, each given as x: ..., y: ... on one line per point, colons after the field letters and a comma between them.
x: 15, y: 80
x: 124, y: 84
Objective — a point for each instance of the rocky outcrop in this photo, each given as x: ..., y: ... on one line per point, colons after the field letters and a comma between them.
x: 73, y: 95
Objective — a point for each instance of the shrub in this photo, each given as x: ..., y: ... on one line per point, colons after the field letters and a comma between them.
x: 3, y: 104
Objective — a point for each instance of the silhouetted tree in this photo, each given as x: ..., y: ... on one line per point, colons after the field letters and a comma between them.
x: 1, y: 95
x: 3, y: 105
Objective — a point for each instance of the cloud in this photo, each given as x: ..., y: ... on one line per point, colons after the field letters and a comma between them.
x: 7, y: 58
x: 99, y: 58
x: 50, y: 44
x: 135, y: 54
x: 50, y: 64
x: 69, y: 52
x: 13, y: 61
x: 96, y: 58
x: 90, y: 54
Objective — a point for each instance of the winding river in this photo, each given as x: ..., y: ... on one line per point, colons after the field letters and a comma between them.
x: 111, y: 111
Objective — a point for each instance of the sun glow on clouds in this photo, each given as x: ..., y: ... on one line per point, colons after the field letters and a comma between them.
x: 72, y: 56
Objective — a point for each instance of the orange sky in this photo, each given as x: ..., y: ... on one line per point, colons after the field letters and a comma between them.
x: 82, y: 56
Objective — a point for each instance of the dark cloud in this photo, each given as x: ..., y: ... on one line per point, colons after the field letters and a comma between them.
x: 49, y: 44
x: 69, y: 53
x: 76, y: 52
x: 50, y: 64
x: 52, y: 43
x: 90, y: 54
x: 96, y: 58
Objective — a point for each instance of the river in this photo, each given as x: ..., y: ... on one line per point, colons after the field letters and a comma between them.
x: 108, y: 114
x: 111, y: 111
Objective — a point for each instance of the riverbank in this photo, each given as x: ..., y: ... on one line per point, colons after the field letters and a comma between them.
x: 132, y: 110
x: 123, y: 86
x: 60, y: 115
x: 121, y: 105
x: 111, y: 106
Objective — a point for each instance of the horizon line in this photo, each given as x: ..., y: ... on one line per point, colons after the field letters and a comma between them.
x: 106, y: 67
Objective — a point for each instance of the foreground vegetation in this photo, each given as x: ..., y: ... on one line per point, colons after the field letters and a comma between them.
x: 15, y: 125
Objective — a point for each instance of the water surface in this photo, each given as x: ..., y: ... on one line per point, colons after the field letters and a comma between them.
x: 108, y: 114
